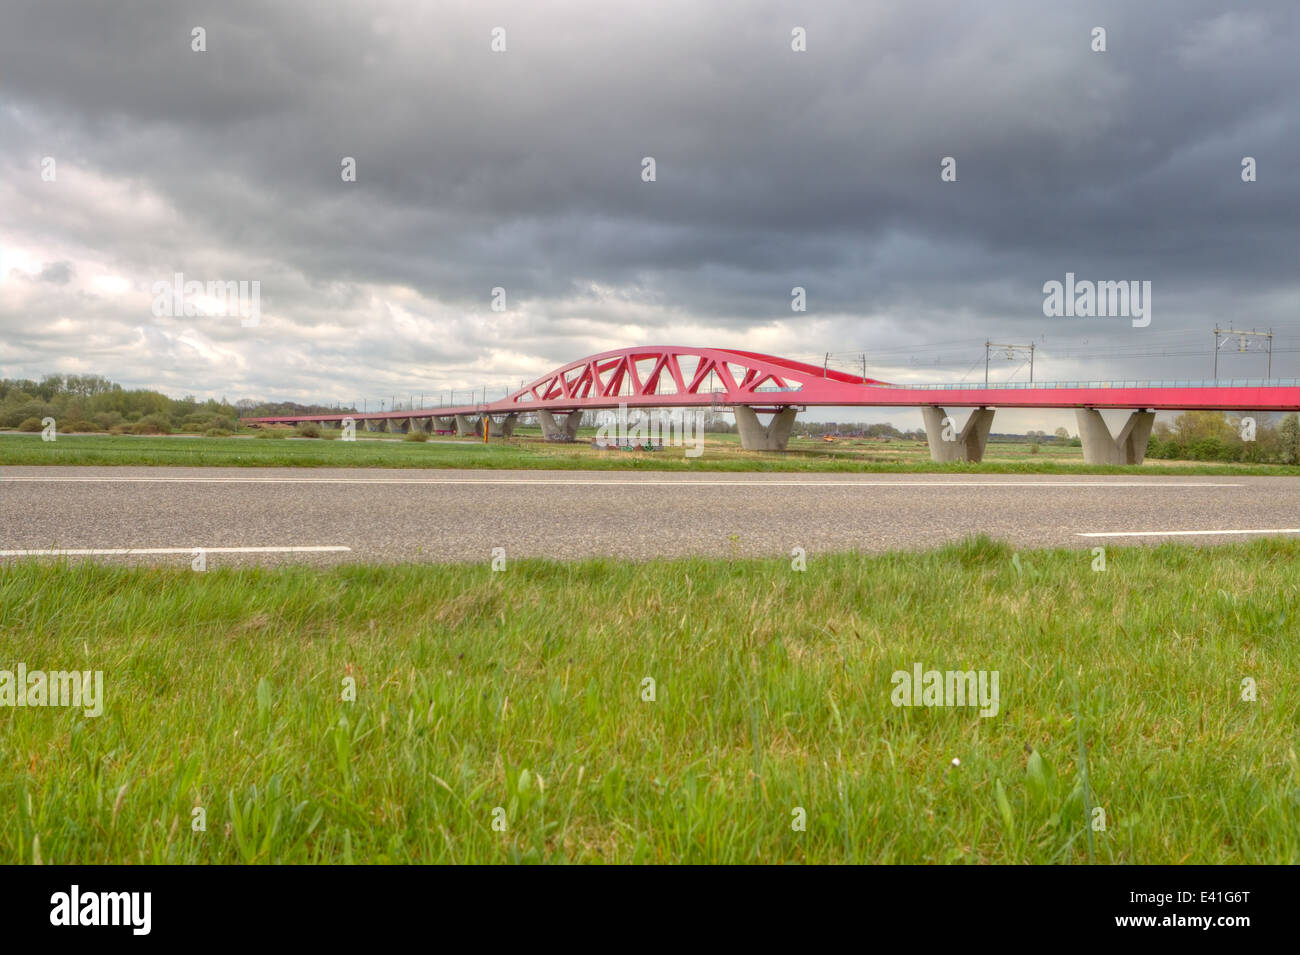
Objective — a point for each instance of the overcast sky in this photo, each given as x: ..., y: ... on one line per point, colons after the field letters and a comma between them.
x: 522, y: 169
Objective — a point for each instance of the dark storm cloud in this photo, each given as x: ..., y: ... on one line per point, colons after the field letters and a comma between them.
x: 522, y: 170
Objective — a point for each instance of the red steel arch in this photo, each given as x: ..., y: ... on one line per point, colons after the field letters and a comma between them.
x: 680, y: 376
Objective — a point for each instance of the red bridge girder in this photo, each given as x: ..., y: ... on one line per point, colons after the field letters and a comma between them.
x: 674, y: 376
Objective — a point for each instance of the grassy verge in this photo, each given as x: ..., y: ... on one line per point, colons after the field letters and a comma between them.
x: 721, y: 453
x: 524, y: 692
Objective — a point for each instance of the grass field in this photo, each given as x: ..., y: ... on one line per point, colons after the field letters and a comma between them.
x: 522, y: 691
x: 722, y: 452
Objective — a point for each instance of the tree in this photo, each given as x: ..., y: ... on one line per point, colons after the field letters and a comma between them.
x: 1062, y: 434
x: 50, y: 386
x: 1193, y: 426
x: 1289, y: 434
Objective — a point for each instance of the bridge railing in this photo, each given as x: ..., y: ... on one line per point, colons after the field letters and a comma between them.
x: 1038, y: 385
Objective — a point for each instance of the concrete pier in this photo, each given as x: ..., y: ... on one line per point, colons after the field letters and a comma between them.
x: 503, y: 426
x: 1130, y: 447
x: 755, y: 436
x: 965, y: 445
x: 554, y: 429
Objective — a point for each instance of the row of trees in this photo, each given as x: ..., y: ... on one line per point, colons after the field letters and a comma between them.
x: 93, y: 403
x: 715, y: 422
x: 1260, y: 438
x: 858, y: 428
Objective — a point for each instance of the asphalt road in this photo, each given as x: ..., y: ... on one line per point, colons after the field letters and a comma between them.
x: 330, y: 515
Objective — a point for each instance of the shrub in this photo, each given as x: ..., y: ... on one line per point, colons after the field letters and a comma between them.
x: 1288, y: 433
x: 80, y: 424
x: 152, y: 424
x: 217, y: 433
x: 106, y: 419
x: 272, y: 433
x: 1211, y: 449
x: 30, y: 424
x: 120, y: 429
x: 309, y: 429
x: 14, y: 416
x: 1252, y: 452
x: 203, y: 420
x: 415, y: 436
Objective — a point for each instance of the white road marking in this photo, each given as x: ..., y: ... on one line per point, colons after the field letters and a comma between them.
x: 611, y: 482
x: 1275, y: 530
x: 128, y: 551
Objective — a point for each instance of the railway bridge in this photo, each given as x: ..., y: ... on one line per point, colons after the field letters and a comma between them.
x: 755, y: 387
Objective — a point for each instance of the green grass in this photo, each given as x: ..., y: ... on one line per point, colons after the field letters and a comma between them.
x: 523, y: 690
x: 722, y: 452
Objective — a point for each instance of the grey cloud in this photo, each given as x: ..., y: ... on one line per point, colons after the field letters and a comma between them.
x: 775, y: 169
x: 59, y: 273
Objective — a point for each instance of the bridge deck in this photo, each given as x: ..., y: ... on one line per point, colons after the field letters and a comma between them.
x: 1250, y: 395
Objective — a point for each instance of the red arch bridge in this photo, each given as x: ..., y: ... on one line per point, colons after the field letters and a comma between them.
x: 749, y: 384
